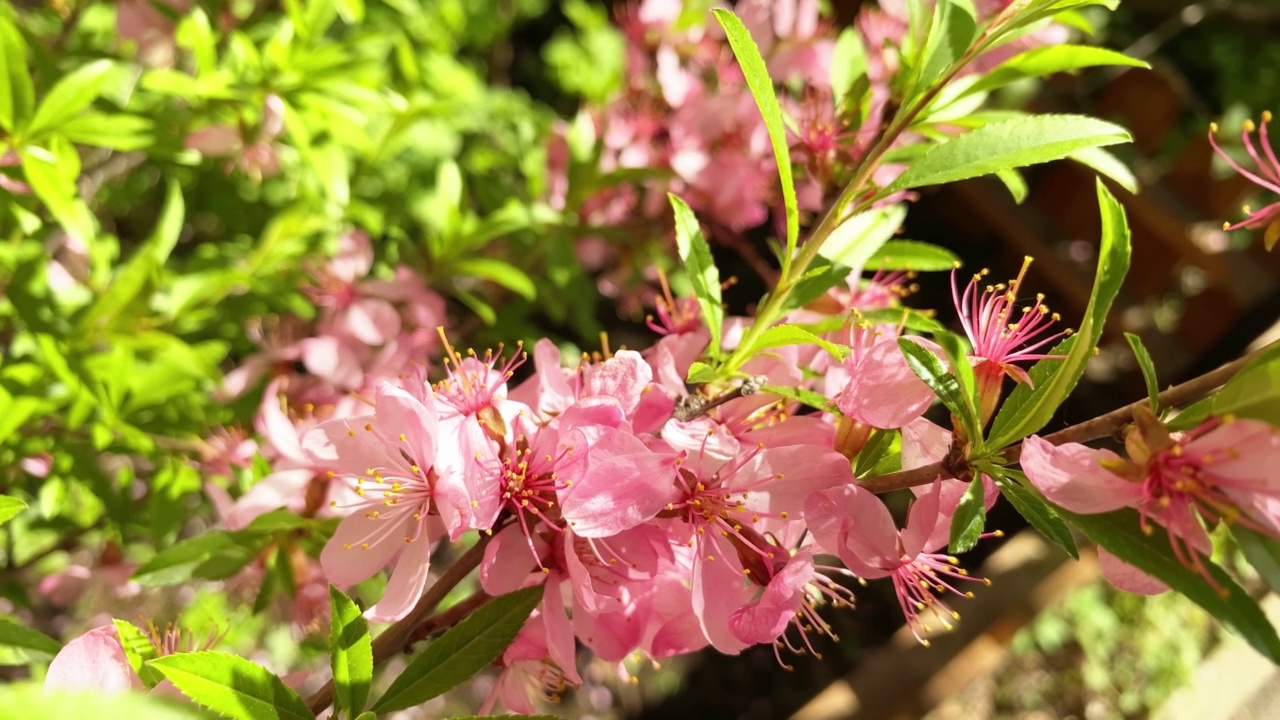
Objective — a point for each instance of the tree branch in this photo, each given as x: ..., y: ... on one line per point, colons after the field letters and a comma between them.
x: 410, y: 628
x: 1099, y: 427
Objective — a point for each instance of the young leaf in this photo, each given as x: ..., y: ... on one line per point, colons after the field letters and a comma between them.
x: 950, y: 35
x: 1051, y: 59
x: 116, y: 131
x: 10, y: 507
x: 861, y: 236
x: 878, y: 445
x: 20, y: 645
x: 911, y: 255
x: 1120, y: 532
x: 929, y: 368
x: 138, y: 650
x: 351, y: 654
x: 1148, y: 368
x: 17, y: 96
x: 757, y: 76
x: 957, y: 350
x: 232, y: 686
x: 1015, y: 183
x: 695, y: 253
x: 1034, y: 408
x: 1014, y: 487
x: 848, y: 63
x: 213, y: 556
x: 72, y: 94
x: 808, y: 398
x: 52, y: 177
x: 1010, y: 144
x: 462, y: 652
x: 782, y: 335
x: 700, y: 372
x: 969, y: 519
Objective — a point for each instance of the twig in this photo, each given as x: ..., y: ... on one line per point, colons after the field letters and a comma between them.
x: 1099, y: 427
x: 404, y: 633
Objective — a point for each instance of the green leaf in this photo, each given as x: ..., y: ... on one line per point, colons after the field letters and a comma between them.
x: 351, y: 11
x: 10, y: 507
x: 695, y: 254
x: 1025, y: 414
x: 30, y: 700
x: 214, y: 555
x: 856, y: 240
x: 71, y: 95
x: 232, y: 686
x: 783, y: 335
x: 1051, y: 59
x: 1121, y: 534
x: 803, y: 396
x: 116, y: 131
x: 20, y: 645
x: 1254, y: 392
x: 1148, y: 368
x: 1009, y: 144
x: 1108, y: 165
x: 848, y: 64
x: 878, y: 445
x: 950, y: 33
x: 957, y: 350
x: 52, y: 176
x: 350, y: 653
x: 1015, y: 488
x: 700, y: 372
x: 1262, y: 552
x: 757, y: 76
x: 500, y: 272
x: 1015, y: 183
x: 969, y: 519
x: 17, y: 96
x: 912, y: 255
x: 462, y: 651
x: 138, y: 650
x: 929, y: 368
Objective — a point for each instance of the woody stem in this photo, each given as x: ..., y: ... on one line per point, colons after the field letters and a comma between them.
x: 1099, y: 427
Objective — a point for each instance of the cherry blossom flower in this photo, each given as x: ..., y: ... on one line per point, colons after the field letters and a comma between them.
x: 1267, y: 177
x: 1217, y: 472
x: 882, y: 390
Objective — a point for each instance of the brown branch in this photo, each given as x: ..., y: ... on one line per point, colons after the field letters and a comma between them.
x: 1099, y: 427
x: 409, y: 629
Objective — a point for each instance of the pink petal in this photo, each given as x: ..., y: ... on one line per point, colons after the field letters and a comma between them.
x: 855, y: 525
x: 283, y: 488
x: 346, y: 448
x: 93, y: 661
x: 214, y: 140
x: 276, y: 427
x: 407, y: 580
x: 401, y: 415
x: 345, y: 559
x: 560, y: 643
x: 628, y: 486
x: 923, y: 443
x: 1070, y: 475
x: 372, y: 321
x: 794, y: 472
x: 1127, y: 577
x: 329, y: 358
x: 623, y: 377
x: 884, y: 392
x: 765, y: 619
x: 922, y: 519
x: 717, y: 592
x: 507, y: 562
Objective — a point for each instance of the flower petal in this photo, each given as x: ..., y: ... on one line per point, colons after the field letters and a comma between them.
x: 407, y: 580
x: 1127, y: 577
x: 346, y: 560
x: 93, y: 661
x: 1070, y: 475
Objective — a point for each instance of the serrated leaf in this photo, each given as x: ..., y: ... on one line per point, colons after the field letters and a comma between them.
x: 969, y: 519
x: 461, y: 652
x: 1014, y: 488
x: 1042, y: 61
x: 1120, y: 532
x: 695, y: 255
x: 1148, y: 368
x: 912, y: 255
x: 700, y: 372
x: 232, y: 686
x: 138, y: 650
x: 20, y: 645
x: 1029, y: 411
x: 350, y: 654
x: 69, y: 96
x: 929, y: 368
x: 10, y: 507
x: 805, y: 397
x: 1009, y: 144
x: 761, y: 86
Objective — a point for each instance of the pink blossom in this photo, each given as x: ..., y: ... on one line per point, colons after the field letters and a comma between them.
x: 1267, y: 177
x: 1218, y: 472
x: 883, y: 391
x: 855, y: 525
x: 139, y: 21
x: 391, y: 456
x: 93, y: 661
